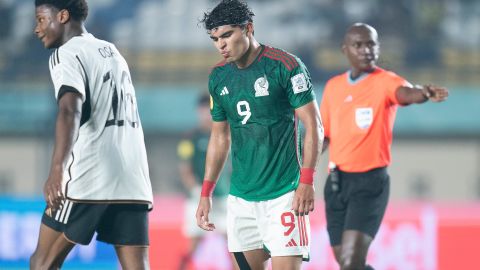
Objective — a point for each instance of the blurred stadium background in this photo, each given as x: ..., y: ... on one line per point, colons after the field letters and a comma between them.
x: 433, y: 220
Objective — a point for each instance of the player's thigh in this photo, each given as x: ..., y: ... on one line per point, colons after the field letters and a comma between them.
x: 133, y: 257
x: 284, y: 233
x: 243, y: 232
x: 52, y: 249
x: 287, y: 263
x: 125, y: 225
x: 78, y: 221
x: 368, y: 202
x: 46, y: 237
x: 253, y: 259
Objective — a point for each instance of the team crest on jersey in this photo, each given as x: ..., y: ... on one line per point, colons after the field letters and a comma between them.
x: 261, y: 87
x: 299, y: 83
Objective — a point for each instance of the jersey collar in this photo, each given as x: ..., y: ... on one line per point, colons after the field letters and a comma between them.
x: 360, y: 78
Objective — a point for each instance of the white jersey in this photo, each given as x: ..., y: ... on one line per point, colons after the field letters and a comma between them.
x: 109, y: 160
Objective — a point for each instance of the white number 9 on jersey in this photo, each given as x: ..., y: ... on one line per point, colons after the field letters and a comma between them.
x: 243, y: 109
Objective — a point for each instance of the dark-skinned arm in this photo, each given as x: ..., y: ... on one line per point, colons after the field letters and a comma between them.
x: 66, y: 132
x: 407, y: 95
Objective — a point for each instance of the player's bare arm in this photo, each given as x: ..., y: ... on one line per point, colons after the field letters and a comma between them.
x: 66, y: 131
x: 217, y: 153
x: 420, y: 93
x: 303, y: 202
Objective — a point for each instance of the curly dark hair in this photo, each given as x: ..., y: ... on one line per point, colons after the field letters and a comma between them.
x: 78, y: 9
x: 228, y: 12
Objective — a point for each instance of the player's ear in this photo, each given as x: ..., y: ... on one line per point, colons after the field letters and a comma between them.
x: 63, y: 16
x: 250, y: 28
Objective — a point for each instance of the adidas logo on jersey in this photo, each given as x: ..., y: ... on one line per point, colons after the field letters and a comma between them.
x: 291, y: 243
x: 224, y: 91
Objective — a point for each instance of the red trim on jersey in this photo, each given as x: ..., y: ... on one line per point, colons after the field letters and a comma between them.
x: 265, y: 49
x: 288, y: 60
x: 300, y: 230
x: 288, y: 56
x: 279, y: 59
x: 221, y: 63
x: 305, y: 231
x: 302, y: 227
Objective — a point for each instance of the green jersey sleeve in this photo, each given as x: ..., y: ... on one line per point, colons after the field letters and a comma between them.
x: 299, y: 85
x: 216, y: 109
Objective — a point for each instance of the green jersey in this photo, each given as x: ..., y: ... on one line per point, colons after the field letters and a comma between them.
x: 259, y: 104
x: 193, y: 149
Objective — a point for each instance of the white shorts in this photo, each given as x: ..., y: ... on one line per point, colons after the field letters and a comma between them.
x: 217, y: 216
x: 270, y: 225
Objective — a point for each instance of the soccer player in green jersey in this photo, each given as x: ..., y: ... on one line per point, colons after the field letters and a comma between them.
x: 257, y: 95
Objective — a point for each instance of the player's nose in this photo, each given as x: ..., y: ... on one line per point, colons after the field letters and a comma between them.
x: 36, y: 31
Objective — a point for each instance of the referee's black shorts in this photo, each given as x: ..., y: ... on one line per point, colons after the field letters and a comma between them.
x: 117, y: 224
x: 359, y: 205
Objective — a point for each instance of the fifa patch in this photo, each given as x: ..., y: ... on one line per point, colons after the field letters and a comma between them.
x: 299, y: 83
x: 364, y: 117
x: 261, y: 87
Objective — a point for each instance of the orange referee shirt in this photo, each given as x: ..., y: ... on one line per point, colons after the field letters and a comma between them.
x: 358, y: 117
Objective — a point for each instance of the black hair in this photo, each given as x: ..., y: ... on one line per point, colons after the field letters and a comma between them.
x: 228, y: 12
x: 78, y: 9
x: 204, y: 100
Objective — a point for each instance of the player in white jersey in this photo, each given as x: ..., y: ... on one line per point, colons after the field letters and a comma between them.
x: 99, y: 178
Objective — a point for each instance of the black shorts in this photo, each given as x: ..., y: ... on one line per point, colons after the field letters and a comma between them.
x: 116, y: 224
x: 359, y: 205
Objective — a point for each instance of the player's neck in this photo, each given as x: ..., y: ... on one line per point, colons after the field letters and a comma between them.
x: 73, y: 30
x: 249, y: 57
x: 356, y: 73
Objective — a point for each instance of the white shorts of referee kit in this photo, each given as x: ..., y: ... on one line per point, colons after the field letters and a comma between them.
x: 269, y: 225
